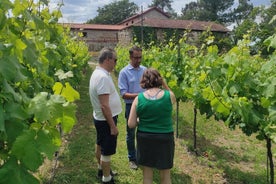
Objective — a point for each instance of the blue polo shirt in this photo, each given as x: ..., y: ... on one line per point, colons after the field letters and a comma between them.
x: 129, y: 80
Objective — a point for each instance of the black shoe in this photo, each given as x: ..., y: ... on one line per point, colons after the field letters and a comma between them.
x: 100, y: 173
x: 109, y: 182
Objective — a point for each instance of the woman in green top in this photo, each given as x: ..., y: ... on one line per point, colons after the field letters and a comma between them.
x: 151, y: 112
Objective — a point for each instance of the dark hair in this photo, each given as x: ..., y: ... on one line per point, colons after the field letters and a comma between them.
x: 106, y: 53
x: 151, y: 78
x: 134, y: 48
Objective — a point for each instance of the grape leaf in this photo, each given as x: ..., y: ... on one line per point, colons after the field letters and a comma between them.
x: 25, y: 149
x: 14, y: 173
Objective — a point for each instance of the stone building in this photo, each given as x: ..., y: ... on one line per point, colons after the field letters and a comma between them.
x: 98, y: 35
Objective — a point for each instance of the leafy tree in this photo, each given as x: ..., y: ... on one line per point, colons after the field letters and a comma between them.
x: 114, y: 12
x: 260, y: 24
x: 248, y: 25
x: 243, y: 10
x: 207, y: 10
x: 191, y: 11
x: 164, y: 5
x: 267, y: 28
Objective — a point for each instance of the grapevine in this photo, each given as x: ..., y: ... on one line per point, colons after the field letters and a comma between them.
x: 234, y: 87
x: 40, y: 66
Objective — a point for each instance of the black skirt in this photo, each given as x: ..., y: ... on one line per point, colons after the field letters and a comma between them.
x: 155, y: 150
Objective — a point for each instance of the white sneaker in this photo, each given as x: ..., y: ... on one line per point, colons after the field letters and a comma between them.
x: 132, y: 165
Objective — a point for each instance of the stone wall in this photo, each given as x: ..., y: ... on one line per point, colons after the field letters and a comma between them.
x: 125, y: 37
x: 97, y: 39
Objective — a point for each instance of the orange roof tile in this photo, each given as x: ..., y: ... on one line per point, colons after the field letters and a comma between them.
x: 183, y: 24
x: 94, y: 26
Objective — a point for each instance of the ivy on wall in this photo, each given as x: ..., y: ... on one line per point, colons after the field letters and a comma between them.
x: 164, y: 36
x: 150, y: 35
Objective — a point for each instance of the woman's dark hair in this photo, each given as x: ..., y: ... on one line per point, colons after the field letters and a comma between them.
x: 151, y: 78
x: 106, y: 53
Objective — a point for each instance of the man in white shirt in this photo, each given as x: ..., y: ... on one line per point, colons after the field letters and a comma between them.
x: 106, y: 108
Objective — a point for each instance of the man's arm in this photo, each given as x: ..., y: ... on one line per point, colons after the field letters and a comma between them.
x: 123, y: 86
x: 129, y: 96
x: 104, y: 101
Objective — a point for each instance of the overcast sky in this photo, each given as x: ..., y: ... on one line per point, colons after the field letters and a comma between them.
x: 79, y: 11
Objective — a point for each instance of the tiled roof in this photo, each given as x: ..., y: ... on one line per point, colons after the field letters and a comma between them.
x: 94, y: 26
x: 144, y: 12
x: 183, y: 24
x: 154, y: 22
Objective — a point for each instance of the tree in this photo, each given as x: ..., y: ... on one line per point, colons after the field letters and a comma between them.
x: 267, y: 28
x: 164, y: 5
x: 191, y: 11
x: 247, y: 26
x: 260, y: 24
x: 243, y: 10
x: 207, y: 10
x: 114, y: 12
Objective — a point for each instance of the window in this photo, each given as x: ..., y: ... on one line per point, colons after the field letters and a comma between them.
x: 84, y: 34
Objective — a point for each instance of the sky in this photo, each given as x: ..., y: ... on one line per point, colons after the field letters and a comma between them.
x: 79, y: 11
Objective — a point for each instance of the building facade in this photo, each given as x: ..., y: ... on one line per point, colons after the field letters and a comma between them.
x: 153, y: 22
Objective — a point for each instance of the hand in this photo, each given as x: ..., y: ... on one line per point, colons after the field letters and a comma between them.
x: 114, y: 131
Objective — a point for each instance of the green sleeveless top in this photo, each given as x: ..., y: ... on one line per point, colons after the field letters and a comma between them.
x: 155, y: 116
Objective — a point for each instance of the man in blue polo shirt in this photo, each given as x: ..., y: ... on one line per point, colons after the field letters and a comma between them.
x: 129, y: 85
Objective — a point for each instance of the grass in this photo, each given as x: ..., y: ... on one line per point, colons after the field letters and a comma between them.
x: 225, y: 156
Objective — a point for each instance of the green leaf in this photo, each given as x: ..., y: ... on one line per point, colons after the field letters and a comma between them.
x: 2, y: 119
x: 25, y: 149
x: 38, y: 22
x: 269, y: 91
x: 9, y: 68
x: 268, y: 66
x: 8, y: 89
x: 265, y: 102
x: 3, y: 134
x: 38, y: 107
x: 64, y: 114
x: 46, y: 143
x: 220, y: 107
x: 272, y: 113
x: 19, y: 46
x: 272, y: 41
x: 19, y: 7
x: 2, y: 19
x: 14, y: 128
x: 13, y: 173
x: 16, y: 111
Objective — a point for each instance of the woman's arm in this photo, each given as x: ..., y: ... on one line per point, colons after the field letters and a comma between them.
x: 165, y: 86
x: 132, y: 120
